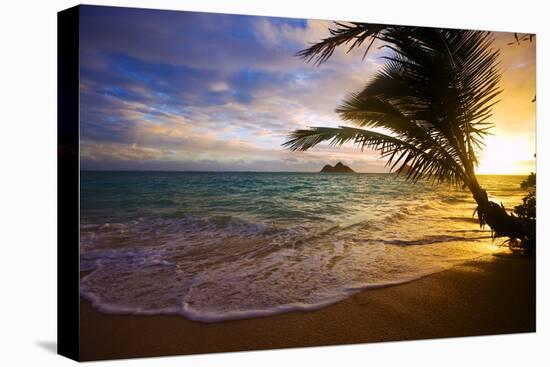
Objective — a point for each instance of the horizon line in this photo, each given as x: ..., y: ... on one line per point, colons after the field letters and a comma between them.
x: 237, y: 171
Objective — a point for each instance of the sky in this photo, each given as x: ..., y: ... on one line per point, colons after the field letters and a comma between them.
x: 167, y: 90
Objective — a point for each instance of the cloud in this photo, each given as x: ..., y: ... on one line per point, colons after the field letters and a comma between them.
x: 170, y: 90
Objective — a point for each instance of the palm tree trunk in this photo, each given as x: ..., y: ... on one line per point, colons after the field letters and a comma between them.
x: 495, y: 216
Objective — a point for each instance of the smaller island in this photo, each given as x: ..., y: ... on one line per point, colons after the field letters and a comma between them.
x: 338, y: 168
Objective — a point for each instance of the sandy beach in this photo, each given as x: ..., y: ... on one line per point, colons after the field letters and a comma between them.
x: 492, y: 295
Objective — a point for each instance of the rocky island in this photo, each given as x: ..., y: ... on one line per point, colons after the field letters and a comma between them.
x: 338, y: 168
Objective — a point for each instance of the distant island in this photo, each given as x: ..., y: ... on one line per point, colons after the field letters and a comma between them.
x: 338, y: 168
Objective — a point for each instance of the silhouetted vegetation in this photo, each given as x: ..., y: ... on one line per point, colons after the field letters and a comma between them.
x: 426, y: 111
x: 522, y: 37
x: 527, y: 212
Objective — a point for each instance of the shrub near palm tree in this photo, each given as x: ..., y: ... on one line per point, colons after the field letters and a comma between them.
x: 527, y: 213
x: 432, y: 99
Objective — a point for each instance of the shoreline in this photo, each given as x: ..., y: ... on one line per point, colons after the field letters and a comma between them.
x: 486, y: 296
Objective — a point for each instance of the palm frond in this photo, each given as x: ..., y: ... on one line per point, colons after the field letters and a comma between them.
x: 341, y: 34
x: 402, y: 156
x: 374, y: 112
x: 435, y: 93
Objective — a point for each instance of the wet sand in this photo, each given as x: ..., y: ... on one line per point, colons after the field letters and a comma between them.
x: 490, y: 296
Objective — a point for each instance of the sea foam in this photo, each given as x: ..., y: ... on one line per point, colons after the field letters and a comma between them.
x: 218, y: 247
x: 208, y: 270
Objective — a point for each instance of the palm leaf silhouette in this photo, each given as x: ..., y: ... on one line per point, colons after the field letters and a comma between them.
x: 426, y: 111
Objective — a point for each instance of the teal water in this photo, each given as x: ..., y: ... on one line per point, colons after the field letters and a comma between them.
x: 215, y: 246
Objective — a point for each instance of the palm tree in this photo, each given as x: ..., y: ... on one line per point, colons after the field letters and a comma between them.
x: 426, y: 111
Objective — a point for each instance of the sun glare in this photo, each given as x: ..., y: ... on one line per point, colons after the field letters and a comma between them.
x: 507, y: 155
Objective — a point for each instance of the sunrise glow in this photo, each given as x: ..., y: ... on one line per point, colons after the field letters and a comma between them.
x: 176, y: 105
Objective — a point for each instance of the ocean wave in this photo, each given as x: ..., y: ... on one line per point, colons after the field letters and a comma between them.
x: 432, y: 239
x: 457, y: 200
x: 218, y: 246
x: 224, y: 267
x: 472, y: 219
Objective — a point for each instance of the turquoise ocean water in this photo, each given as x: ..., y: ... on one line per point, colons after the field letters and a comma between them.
x: 224, y: 245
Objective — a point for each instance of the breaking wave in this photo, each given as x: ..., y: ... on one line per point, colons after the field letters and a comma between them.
x: 236, y: 252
